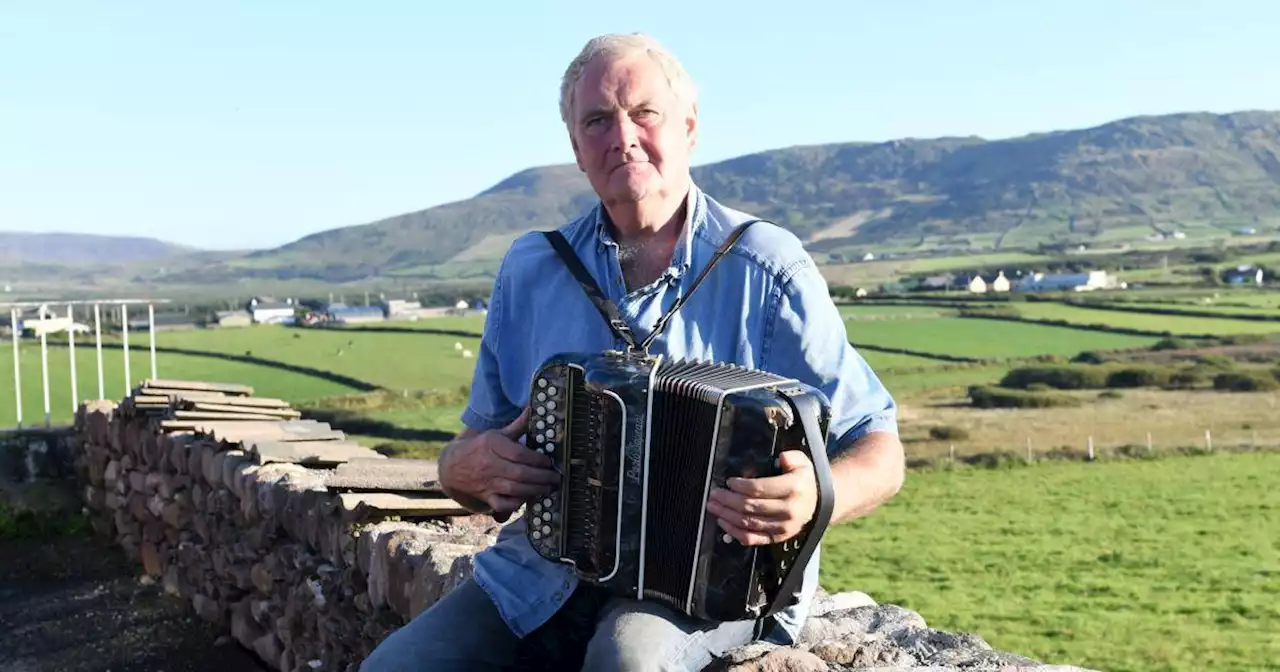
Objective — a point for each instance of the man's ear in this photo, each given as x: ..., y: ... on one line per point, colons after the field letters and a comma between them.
x: 691, y: 125
x: 577, y: 155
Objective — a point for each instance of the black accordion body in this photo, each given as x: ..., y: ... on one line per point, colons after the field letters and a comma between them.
x: 640, y: 441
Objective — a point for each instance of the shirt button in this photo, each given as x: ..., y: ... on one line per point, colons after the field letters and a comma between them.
x: 558, y: 596
x: 566, y: 584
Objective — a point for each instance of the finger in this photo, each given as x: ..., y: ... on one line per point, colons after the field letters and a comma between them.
x: 744, y: 537
x: 503, y: 505
x: 516, y: 428
x: 749, y: 523
x: 526, y: 474
x: 770, y: 487
x: 764, y: 508
x: 793, y: 460
x: 514, y: 452
x: 519, y: 489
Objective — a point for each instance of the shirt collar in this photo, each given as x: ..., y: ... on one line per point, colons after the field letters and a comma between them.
x: 682, y: 255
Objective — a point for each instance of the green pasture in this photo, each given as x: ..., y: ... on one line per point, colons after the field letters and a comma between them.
x: 1169, y: 564
x: 1176, y: 324
x: 874, y: 311
x: 267, y: 382
x: 398, y: 361
x: 981, y: 338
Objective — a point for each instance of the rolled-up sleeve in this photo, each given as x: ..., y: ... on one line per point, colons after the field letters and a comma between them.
x: 807, y: 341
x: 488, y: 406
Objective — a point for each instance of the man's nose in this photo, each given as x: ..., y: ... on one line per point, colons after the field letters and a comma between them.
x: 624, y: 132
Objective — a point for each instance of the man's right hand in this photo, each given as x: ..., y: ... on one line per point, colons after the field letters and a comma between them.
x: 491, y: 468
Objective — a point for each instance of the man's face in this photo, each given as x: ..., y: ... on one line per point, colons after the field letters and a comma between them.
x: 630, y: 134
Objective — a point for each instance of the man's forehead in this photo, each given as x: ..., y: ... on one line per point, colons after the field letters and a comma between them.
x: 621, y: 81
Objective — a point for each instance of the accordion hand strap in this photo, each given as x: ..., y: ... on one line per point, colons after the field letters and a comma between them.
x: 610, y: 310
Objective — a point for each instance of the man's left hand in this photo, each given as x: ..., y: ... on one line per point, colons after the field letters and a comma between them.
x: 758, y: 511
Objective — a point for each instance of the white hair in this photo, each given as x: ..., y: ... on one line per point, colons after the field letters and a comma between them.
x: 617, y: 46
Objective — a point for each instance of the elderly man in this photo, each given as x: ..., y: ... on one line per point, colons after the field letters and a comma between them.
x: 631, y: 114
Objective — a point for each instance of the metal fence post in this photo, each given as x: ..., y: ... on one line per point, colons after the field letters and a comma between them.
x: 17, y: 368
x: 97, y: 331
x: 44, y: 364
x: 151, y: 323
x: 71, y: 345
x: 124, y: 327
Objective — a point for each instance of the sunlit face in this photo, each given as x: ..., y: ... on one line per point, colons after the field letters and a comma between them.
x: 630, y: 134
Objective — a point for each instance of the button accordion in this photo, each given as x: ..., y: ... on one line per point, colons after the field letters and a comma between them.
x: 639, y: 442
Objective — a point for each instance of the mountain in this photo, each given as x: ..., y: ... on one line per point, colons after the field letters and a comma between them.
x: 1198, y: 173
x: 81, y: 248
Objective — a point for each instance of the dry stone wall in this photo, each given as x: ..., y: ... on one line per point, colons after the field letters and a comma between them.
x: 309, y: 549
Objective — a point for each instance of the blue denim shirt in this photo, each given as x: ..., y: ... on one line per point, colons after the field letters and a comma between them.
x: 763, y: 305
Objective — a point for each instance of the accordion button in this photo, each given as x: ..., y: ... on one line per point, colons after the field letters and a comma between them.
x: 551, y: 434
x: 551, y: 390
x: 539, y: 438
x: 542, y: 396
x: 546, y: 502
x: 542, y: 425
x: 537, y: 535
x: 727, y: 538
x: 551, y: 405
x: 546, y: 529
x: 542, y: 382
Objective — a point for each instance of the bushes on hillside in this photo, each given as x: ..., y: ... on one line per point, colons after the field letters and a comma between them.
x: 1245, y: 381
x: 1171, y: 344
x: 1063, y: 377
x: 948, y: 433
x: 981, y: 396
x: 1145, y: 376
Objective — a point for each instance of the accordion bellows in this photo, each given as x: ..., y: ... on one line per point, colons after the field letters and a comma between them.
x: 640, y: 442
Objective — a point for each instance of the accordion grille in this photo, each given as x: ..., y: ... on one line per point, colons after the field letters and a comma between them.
x: 679, y: 452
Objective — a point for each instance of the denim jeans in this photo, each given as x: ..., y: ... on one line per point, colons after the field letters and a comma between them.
x: 463, y: 631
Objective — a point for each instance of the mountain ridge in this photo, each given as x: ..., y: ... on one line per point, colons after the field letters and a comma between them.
x: 1206, y: 175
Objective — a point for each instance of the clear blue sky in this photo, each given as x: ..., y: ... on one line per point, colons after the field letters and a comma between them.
x: 251, y: 124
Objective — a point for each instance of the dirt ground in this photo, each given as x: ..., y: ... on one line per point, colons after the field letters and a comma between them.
x: 76, y: 605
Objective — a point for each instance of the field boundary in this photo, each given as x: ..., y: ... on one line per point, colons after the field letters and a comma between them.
x: 1172, y: 312
x: 958, y: 359
x: 359, y: 385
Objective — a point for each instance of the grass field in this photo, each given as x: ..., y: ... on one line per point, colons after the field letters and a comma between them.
x: 267, y: 382
x: 399, y: 361
x: 1176, y: 324
x: 979, y: 338
x: 1144, y: 565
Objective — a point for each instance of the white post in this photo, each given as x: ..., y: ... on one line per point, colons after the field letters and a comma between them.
x: 71, y: 344
x: 1028, y: 449
x: 44, y: 364
x: 97, y: 332
x: 1208, y: 441
x: 151, y: 320
x: 1091, y: 449
x: 17, y: 369
x: 953, y: 453
x: 124, y: 326
x: 1148, y: 442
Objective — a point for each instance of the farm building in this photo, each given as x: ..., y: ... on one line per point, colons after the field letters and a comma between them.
x: 1067, y: 282
x: 354, y: 314
x: 981, y: 285
x: 232, y: 318
x: 266, y: 310
x: 50, y: 325
x: 1242, y: 275
x: 164, y: 322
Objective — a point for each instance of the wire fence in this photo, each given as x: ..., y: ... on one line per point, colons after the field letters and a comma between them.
x: 48, y: 322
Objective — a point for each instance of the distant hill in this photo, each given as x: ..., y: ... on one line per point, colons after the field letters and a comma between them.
x: 82, y: 248
x: 1204, y: 175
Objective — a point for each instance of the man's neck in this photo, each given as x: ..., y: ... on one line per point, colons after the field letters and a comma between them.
x: 647, y: 235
